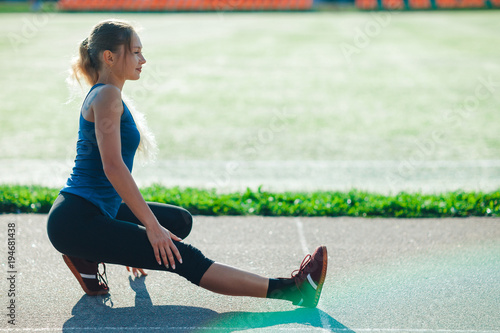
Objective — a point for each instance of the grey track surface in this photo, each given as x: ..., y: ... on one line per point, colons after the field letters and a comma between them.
x: 384, y: 275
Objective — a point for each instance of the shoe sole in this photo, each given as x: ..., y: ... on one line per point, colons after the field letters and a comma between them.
x: 322, y: 278
x: 75, y: 272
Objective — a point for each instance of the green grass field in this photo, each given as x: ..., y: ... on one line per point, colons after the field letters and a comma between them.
x: 215, y: 83
x: 36, y: 199
x: 383, y: 102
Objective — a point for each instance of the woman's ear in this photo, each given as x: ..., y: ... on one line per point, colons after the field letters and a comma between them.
x: 108, y: 57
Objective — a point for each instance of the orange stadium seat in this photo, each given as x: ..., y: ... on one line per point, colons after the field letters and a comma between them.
x: 185, y: 4
x: 195, y: 5
x: 109, y: 5
x: 419, y: 4
x: 97, y: 4
x: 446, y: 4
x: 175, y: 5
x: 299, y: 4
x: 393, y: 4
x: 204, y: 5
x: 135, y: 6
x: 249, y: 4
x: 178, y: 5
x: 154, y: 5
x: 267, y: 4
x: 167, y: 4
x: 221, y: 5
x: 366, y: 4
x: 305, y: 3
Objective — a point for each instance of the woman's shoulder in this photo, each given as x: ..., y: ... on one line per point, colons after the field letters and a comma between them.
x: 102, y: 91
x: 106, y: 95
x: 106, y: 91
x: 101, y: 97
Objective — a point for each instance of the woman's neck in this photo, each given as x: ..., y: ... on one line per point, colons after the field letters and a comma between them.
x: 107, y: 77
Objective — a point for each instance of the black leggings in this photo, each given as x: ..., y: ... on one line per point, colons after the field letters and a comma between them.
x: 77, y: 228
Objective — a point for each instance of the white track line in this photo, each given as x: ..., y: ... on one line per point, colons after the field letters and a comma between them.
x: 302, y: 239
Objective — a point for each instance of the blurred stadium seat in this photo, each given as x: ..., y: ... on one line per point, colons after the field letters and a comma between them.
x: 183, y: 5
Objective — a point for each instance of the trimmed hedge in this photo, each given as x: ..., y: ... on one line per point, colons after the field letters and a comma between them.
x: 37, y: 199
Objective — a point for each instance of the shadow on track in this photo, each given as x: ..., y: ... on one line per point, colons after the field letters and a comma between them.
x: 98, y: 314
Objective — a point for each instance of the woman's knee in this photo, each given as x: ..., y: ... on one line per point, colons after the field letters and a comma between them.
x: 194, y: 265
x: 188, y: 220
x: 174, y: 218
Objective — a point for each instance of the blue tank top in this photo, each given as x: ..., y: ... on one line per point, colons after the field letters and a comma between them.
x: 88, y: 179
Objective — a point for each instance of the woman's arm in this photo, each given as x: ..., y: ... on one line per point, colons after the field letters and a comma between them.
x: 107, y: 108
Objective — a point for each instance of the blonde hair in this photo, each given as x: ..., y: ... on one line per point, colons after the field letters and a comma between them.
x: 109, y: 35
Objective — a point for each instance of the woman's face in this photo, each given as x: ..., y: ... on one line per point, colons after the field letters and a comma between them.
x: 133, y: 60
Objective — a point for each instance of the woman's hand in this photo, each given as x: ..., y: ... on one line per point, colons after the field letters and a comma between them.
x: 163, y: 246
x: 136, y: 271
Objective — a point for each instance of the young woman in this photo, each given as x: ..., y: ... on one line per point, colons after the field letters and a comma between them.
x: 100, y: 215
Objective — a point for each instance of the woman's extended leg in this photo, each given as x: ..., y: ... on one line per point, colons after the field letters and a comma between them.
x: 228, y: 280
x: 303, y: 288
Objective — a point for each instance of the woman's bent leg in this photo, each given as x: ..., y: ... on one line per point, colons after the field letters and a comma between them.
x: 176, y: 219
x: 77, y: 228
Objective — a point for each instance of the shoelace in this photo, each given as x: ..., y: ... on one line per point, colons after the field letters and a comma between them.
x: 103, y: 278
x: 300, y: 271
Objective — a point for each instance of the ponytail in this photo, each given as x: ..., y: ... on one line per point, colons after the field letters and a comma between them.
x: 84, y: 66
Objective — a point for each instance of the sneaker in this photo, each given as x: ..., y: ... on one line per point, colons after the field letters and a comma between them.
x: 87, y: 274
x: 309, y: 278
